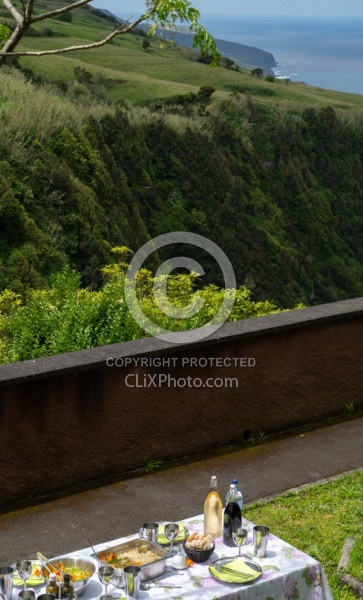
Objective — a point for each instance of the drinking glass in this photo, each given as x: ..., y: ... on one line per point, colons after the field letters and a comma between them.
x: 149, y: 531
x: 6, y: 582
x: 132, y: 577
x: 239, y: 536
x: 260, y: 539
x: 27, y: 595
x: 24, y: 569
x: 171, y: 532
x: 105, y: 575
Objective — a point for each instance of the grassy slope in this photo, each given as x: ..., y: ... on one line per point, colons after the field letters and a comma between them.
x: 159, y: 72
x: 317, y: 521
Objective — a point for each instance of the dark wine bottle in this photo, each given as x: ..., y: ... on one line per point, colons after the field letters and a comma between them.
x: 67, y: 590
x: 232, y: 519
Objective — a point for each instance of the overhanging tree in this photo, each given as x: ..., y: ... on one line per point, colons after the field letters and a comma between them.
x: 159, y: 13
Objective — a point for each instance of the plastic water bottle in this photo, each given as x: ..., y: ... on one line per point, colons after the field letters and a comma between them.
x: 238, y: 494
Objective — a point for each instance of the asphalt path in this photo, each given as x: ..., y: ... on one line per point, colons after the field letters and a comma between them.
x: 119, y: 509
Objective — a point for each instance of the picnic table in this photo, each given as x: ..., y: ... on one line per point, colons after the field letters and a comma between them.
x: 287, y: 573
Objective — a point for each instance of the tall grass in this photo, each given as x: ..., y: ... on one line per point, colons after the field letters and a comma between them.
x: 351, y: 116
x: 141, y: 115
x: 28, y: 111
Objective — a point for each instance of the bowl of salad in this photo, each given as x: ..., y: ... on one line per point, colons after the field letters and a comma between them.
x: 80, y: 570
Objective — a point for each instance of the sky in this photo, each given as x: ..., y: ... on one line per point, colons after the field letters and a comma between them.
x: 324, y: 8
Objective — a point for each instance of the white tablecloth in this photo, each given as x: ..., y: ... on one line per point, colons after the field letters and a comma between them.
x: 287, y: 573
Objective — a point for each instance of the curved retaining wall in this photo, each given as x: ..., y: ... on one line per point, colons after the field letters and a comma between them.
x: 71, y: 419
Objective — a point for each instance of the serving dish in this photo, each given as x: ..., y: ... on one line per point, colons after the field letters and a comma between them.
x: 77, y: 563
x: 148, y: 571
x: 216, y: 571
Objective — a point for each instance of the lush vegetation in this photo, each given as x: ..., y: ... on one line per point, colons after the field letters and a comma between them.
x: 65, y: 317
x: 270, y: 172
x: 317, y: 521
x: 278, y: 189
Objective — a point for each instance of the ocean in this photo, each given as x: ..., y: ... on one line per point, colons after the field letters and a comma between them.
x: 324, y: 52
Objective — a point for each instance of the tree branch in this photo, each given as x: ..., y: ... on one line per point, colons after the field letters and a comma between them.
x: 29, y: 10
x: 121, y: 30
x: 59, y: 11
x: 14, y: 12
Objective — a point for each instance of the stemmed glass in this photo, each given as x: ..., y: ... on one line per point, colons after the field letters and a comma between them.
x: 171, y: 532
x: 105, y: 575
x: 239, y: 536
x: 24, y: 569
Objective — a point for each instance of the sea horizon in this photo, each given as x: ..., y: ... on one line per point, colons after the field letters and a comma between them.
x: 325, y: 52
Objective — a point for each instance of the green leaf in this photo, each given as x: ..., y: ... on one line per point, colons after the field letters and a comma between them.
x: 306, y: 575
x: 197, y: 579
x: 5, y: 33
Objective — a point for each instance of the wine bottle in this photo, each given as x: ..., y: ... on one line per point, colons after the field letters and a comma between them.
x: 213, y: 511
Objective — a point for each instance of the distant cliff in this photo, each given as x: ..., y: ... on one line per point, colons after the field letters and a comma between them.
x: 246, y: 56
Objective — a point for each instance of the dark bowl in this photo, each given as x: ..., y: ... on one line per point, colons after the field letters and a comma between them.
x: 198, y: 556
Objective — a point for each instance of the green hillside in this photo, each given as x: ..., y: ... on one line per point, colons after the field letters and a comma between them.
x: 112, y: 147
x: 140, y: 76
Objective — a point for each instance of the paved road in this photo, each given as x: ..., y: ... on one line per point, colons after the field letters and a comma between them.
x: 116, y: 510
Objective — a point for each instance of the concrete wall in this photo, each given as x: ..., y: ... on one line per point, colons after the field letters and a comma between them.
x: 71, y: 418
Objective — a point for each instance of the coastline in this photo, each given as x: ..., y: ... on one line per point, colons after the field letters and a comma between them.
x: 245, y: 56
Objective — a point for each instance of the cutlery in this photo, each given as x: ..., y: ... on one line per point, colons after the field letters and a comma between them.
x: 94, y: 551
x: 39, y: 556
x: 43, y: 558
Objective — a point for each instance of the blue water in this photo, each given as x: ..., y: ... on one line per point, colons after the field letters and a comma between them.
x: 324, y: 52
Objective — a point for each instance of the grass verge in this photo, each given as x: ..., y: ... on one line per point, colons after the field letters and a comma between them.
x: 355, y: 567
x: 317, y: 520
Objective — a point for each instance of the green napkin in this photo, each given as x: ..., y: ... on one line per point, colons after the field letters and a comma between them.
x: 247, y: 573
x: 162, y: 539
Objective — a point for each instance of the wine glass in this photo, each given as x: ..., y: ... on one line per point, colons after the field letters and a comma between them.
x: 239, y: 536
x: 24, y: 569
x: 105, y: 575
x: 171, y: 532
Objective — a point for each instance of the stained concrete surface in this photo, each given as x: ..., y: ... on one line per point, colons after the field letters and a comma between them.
x: 115, y: 510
